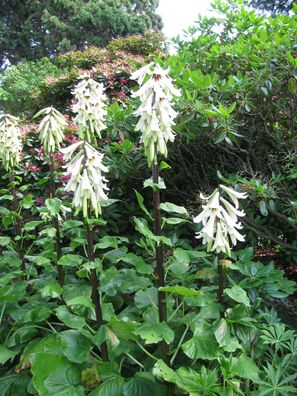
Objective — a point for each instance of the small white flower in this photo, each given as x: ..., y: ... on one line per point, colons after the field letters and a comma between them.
x: 51, y: 129
x: 155, y: 112
x: 220, y: 220
x: 87, y: 181
x: 10, y: 142
x: 89, y: 107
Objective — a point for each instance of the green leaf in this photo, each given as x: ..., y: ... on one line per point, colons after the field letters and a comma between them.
x: 22, y: 335
x: 105, y: 334
x: 12, y: 293
x: 140, y: 265
x: 202, y: 346
x: 55, y: 375
x: 143, y: 384
x: 161, y: 370
x: 6, y: 354
x: 263, y: 208
x: 175, y: 220
x: 142, y: 227
x: 238, y: 294
x: 106, y: 242
x: 53, y: 290
x: 70, y: 260
x: 111, y: 387
x: 53, y: 205
x: 66, y: 225
x: 42, y: 261
x: 146, y: 298
x: 69, y: 319
x: 4, y: 241
x: 85, y: 301
x: 172, y: 208
x: 141, y: 204
x: 154, y: 186
x: 31, y: 225
x: 180, y: 290
x: 75, y: 346
x: 30, y: 313
x: 163, y: 165
x: 123, y: 330
x: 154, y: 333
x: 247, y: 368
x: 222, y: 332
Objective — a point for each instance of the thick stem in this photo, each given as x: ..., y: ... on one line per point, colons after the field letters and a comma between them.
x: 61, y: 275
x: 220, y: 292
x: 17, y: 226
x: 95, y: 293
x: 159, y: 259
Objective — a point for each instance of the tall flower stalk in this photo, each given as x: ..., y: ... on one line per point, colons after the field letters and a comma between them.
x: 156, y: 118
x: 10, y: 154
x: 51, y: 134
x: 86, y: 173
x: 220, y: 226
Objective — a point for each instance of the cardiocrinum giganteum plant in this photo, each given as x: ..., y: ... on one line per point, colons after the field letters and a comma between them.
x: 220, y: 221
x: 85, y: 170
x: 156, y: 118
x: 10, y: 155
x: 51, y: 135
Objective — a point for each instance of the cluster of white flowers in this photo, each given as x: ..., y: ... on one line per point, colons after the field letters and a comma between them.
x: 51, y: 129
x: 86, y: 179
x: 89, y: 107
x: 155, y: 112
x: 220, y: 220
x: 10, y: 141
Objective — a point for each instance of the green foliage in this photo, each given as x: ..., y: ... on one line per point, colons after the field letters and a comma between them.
x: 148, y: 44
x: 21, y: 85
x: 51, y: 27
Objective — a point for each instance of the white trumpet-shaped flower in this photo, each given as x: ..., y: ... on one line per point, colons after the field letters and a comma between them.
x: 51, y: 129
x: 220, y: 220
x: 89, y: 106
x: 155, y: 112
x: 86, y: 181
x: 10, y: 142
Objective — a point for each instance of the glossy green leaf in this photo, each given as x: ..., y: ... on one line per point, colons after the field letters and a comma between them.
x: 238, y: 294
x: 55, y: 375
x: 69, y: 319
x: 75, y: 346
x: 152, y: 333
x: 203, y: 346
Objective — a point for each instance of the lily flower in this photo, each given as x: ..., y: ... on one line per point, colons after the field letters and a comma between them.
x: 89, y: 106
x: 220, y: 220
x: 86, y: 180
x: 10, y: 142
x: 51, y: 129
x: 155, y: 112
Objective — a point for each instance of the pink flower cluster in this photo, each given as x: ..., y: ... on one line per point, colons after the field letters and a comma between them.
x: 31, y: 167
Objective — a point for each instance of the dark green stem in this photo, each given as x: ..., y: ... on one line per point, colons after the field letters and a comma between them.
x: 94, y: 280
x: 220, y: 292
x: 17, y: 226
x: 61, y: 275
x: 160, y: 266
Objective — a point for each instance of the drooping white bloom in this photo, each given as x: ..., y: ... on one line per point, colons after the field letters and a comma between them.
x: 155, y: 112
x: 89, y: 106
x: 51, y: 129
x: 220, y: 220
x: 86, y: 181
x: 10, y: 142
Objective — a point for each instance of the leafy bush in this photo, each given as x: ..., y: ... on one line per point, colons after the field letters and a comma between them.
x: 20, y: 85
